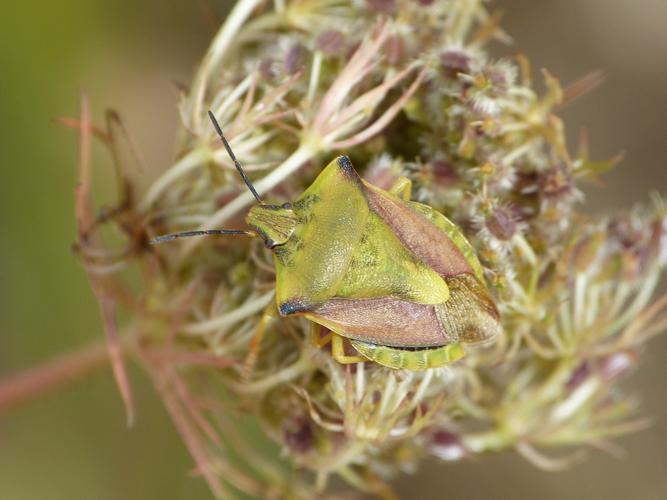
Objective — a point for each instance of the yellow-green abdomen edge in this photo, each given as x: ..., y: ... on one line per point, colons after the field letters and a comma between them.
x: 421, y: 359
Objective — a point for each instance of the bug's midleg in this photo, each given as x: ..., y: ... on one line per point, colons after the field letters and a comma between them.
x: 338, y: 352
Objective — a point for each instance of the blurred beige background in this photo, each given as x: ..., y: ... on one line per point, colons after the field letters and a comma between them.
x: 73, y: 444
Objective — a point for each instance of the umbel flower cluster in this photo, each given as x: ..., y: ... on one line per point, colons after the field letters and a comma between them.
x: 404, y: 88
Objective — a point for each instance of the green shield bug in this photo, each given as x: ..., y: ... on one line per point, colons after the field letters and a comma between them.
x: 394, y: 277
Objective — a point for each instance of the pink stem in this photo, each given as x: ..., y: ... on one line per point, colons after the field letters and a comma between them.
x: 34, y: 382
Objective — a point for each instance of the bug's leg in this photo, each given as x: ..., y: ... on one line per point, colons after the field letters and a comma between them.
x: 338, y: 352
x: 316, y: 335
x: 255, y: 341
x: 402, y: 188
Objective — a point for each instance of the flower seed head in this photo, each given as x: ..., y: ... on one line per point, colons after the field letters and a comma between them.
x: 331, y: 42
x: 500, y: 223
x: 299, y: 434
x: 447, y: 446
x: 295, y: 59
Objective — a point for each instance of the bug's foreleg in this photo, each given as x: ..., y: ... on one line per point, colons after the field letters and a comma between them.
x: 338, y: 352
x: 255, y: 341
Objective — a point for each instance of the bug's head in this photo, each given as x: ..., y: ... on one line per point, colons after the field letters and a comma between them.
x: 273, y: 223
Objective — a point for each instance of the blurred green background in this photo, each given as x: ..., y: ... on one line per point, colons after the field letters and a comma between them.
x: 73, y: 444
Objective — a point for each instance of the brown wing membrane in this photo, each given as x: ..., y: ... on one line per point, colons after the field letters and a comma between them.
x: 418, y: 234
x: 469, y: 315
x: 383, y: 320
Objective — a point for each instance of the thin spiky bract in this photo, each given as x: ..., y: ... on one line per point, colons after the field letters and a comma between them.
x: 403, y: 88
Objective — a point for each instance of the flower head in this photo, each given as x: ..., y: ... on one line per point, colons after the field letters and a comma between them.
x: 405, y: 89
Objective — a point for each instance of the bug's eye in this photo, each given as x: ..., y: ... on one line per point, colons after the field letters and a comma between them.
x: 286, y: 205
x: 270, y: 244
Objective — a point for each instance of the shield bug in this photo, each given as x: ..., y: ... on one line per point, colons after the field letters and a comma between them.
x: 393, y: 276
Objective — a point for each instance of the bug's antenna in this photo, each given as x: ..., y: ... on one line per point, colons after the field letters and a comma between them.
x: 231, y: 155
x: 187, y: 234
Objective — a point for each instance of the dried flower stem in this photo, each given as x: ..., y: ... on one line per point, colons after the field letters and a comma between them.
x: 105, y: 297
x: 34, y: 382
